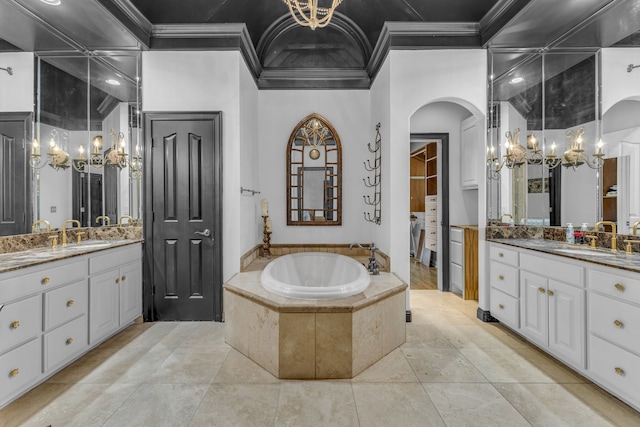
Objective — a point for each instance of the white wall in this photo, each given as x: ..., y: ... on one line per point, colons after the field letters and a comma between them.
x: 204, y: 81
x: 349, y: 113
x: 418, y: 78
x: 17, y: 90
x: 617, y: 83
x: 250, y: 219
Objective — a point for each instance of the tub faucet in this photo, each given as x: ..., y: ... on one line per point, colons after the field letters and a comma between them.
x: 373, y: 266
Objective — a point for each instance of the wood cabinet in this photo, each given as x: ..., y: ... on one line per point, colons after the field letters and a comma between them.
x: 463, y: 250
x: 417, y: 182
x: 47, y: 312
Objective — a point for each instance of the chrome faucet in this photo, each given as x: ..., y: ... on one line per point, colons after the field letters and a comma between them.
x: 105, y: 217
x: 373, y: 266
x: 64, y: 229
x: 614, y: 239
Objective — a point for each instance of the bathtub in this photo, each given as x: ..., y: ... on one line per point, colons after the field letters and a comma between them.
x: 315, y: 275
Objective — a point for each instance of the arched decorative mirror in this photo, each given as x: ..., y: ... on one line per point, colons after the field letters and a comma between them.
x: 314, y: 173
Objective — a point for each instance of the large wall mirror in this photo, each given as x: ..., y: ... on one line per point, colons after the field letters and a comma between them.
x: 85, y: 154
x: 314, y: 173
x: 543, y: 105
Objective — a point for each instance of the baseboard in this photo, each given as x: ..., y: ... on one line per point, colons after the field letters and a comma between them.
x: 485, y: 316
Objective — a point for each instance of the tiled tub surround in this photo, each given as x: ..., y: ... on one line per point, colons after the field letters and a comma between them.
x: 314, y: 339
x: 23, y: 242
x: 277, y: 250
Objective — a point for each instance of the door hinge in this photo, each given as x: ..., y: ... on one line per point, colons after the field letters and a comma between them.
x: 153, y: 216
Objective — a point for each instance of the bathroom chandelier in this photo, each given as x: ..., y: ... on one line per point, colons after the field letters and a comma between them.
x: 517, y: 155
x: 58, y: 157
x: 309, y: 14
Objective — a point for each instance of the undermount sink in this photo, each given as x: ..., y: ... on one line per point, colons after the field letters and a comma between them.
x: 588, y: 252
x: 91, y: 244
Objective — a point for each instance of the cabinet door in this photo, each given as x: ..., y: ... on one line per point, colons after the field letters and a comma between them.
x: 567, y: 322
x: 103, y: 305
x: 470, y: 143
x: 533, y: 307
x: 130, y: 292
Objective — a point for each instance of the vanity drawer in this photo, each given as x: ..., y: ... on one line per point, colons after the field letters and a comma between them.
x: 431, y: 233
x: 431, y: 220
x: 619, y: 322
x: 456, y: 235
x: 617, y: 285
x: 616, y: 368
x: 20, y: 321
x: 456, y: 252
x: 457, y: 277
x: 431, y: 199
x: 502, y: 254
x: 505, y: 278
x: 65, y: 303
x: 505, y: 308
x: 19, y: 368
x: 114, y: 258
x: 37, y: 279
x: 558, y: 270
x: 63, y: 343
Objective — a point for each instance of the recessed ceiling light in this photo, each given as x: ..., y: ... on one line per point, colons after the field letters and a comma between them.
x: 113, y: 82
x: 51, y: 2
x: 516, y: 80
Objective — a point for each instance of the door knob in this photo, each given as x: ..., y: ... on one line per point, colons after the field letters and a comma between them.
x: 205, y: 233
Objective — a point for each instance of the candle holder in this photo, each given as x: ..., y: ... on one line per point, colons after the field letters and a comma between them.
x: 266, y: 253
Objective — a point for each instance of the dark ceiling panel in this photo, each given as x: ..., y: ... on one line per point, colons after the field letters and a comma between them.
x: 541, y: 22
x: 84, y: 21
x: 369, y: 15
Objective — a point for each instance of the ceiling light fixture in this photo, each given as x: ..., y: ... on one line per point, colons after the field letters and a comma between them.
x: 309, y: 14
x: 113, y: 82
x: 51, y: 2
x: 516, y: 80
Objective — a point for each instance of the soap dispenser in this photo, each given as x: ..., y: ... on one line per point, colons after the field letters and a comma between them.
x: 570, y: 237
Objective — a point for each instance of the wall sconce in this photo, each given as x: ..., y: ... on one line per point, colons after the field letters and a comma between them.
x: 135, y: 164
x: 115, y: 157
x: 517, y: 155
x: 57, y: 155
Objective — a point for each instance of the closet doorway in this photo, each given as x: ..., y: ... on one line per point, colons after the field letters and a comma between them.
x: 429, y: 219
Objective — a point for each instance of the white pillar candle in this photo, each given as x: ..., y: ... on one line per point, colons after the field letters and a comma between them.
x: 265, y: 207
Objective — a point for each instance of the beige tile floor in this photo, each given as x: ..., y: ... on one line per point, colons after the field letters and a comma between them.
x: 453, y: 370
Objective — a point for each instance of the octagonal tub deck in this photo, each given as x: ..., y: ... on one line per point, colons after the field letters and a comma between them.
x: 314, y: 339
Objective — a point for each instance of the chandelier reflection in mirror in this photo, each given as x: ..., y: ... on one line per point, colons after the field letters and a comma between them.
x: 58, y: 155
x: 310, y: 14
x: 517, y: 155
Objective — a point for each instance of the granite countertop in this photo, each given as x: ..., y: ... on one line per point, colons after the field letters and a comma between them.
x: 601, y: 256
x: 41, y: 255
x: 470, y: 227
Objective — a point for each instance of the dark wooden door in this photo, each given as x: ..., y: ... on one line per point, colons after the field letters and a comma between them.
x: 183, y: 190
x: 95, y: 180
x: 15, y: 208
x: 80, y: 197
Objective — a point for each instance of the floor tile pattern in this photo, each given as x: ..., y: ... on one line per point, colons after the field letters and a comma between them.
x: 453, y: 371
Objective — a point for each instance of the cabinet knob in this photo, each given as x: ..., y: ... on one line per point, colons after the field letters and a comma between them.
x: 500, y: 306
x: 619, y: 371
x: 15, y: 324
x: 124, y: 277
x: 550, y: 292
x: 618, y: 324
x: 620, y: 287
x: 501, y: 277
x: 14, y: 373
x: 500, y: 254
x: 45, y: 280
x: 541, y: 290
x: 69, y: 341
x: 118, y: 280
x: 70, y: 303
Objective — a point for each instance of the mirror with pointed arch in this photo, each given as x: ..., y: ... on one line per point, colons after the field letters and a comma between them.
x: 314, y: 173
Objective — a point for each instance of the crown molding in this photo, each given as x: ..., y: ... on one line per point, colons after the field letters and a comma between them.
x: 313, y: 79
x: 422, y: 35
x: 207, y: 37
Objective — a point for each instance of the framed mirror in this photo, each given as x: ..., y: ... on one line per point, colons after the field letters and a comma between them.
x: 314, y: 173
